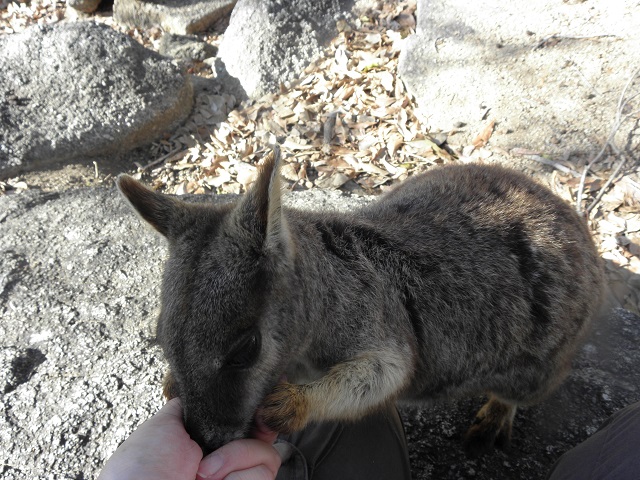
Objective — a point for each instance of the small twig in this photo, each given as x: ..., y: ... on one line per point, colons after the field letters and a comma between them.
x: 551, y: 163
x: 606, y: 185
x: 294, y: 185
x: 583, y: 178
x: 621, y: 102
x: 586, y: 80
x: 632, y: 183
x: 570, y: 37
x: 159, y: 160
x: 424, y: 159
x: 438, y: 41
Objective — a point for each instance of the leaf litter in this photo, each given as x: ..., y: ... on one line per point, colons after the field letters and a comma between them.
x: 347, y: 119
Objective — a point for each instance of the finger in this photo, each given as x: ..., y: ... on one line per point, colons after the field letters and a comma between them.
x: 256, y: 473
x: 170, y: 413
x: 169, y: 422
x: 260, y: 430
x: 160, y: 444
x: 173, y: 407
x: 237, y: 456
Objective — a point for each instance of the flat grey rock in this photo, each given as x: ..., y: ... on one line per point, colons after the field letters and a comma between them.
x: 84, y: 6
x: 174, y: 16
x: 80, y: 90
x: 183, y: 47
x: 269, y: 42
x: 79, y: 286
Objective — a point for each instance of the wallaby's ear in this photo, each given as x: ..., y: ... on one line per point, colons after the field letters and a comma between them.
x: 157, y: 209
x: 261, y: 208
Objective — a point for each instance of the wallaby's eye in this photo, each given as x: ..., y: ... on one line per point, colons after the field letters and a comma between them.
x: 246, y: 352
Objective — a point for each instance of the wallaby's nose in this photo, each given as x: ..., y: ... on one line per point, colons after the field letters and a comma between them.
x: 196, y: 435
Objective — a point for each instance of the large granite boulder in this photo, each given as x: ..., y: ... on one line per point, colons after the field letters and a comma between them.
x: 549, y: 72
x: 271, y: 41
x: 82, y: 89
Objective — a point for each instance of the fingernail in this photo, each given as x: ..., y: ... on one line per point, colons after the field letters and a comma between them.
x: 210, y: 466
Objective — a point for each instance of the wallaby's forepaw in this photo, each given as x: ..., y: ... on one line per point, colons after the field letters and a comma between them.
x: 285, y: 409
x: 169, y: 387
x: 491, y: 428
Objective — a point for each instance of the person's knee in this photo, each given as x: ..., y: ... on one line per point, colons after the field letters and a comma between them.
x: 610, y: 453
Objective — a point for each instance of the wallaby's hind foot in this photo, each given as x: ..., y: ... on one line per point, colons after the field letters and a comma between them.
x: 491, y: 427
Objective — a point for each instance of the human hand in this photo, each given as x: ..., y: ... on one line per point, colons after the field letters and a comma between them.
x: 247, y: 459
x: 159, y: 449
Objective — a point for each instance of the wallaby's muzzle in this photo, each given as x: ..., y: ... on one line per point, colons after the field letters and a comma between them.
x: 211, y: 433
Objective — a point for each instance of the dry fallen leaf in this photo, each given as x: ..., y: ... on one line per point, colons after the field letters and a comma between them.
x: 484, y: 136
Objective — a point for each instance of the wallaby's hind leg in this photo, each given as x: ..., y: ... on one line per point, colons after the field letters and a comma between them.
x: 492, y: 427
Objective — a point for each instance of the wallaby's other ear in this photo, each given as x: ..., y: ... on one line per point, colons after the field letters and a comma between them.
x: 261, y: 208
x: 157, y: 209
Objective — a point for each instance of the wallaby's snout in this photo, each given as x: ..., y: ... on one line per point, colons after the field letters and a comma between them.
x: 222, y: 407
x: 193, y: 427
x: 211, y: 434
x: 208, y: 441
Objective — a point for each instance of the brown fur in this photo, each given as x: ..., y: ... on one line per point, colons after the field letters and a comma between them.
x: 466, y: 280
x: 169, y: 387
x: 286, y: 408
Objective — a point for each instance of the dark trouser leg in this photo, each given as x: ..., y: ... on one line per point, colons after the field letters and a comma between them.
x: 613, y: 452
x: 370, y: 449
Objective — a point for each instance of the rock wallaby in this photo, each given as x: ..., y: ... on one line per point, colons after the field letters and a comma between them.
x: 465, y: 280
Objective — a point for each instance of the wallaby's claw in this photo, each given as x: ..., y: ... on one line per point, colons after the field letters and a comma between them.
x: 285, y: 409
